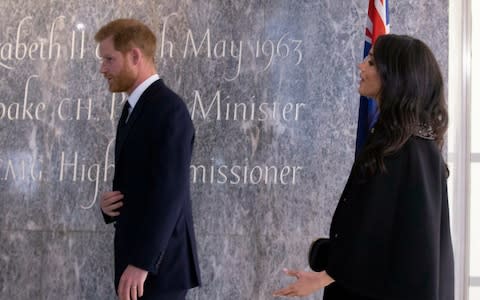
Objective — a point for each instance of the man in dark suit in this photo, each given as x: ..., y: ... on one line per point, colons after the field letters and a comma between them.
x: 150, y: 206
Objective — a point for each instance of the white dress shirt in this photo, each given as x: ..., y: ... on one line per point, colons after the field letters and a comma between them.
x: 138, y: 91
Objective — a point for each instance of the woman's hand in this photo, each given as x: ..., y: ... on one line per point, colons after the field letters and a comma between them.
x: 306, y: 284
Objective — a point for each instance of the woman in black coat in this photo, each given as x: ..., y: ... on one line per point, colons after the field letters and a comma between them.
x: 390, y: 235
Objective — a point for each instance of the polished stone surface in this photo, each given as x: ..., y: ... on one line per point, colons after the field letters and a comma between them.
x: 271, y: 86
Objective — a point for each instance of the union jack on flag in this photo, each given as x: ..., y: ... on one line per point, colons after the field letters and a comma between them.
x: 378, y: 23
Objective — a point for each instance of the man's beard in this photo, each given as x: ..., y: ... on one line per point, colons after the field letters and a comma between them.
x: 123, y: 81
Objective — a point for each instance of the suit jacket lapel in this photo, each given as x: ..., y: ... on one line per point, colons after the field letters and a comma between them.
x: 123, y: 130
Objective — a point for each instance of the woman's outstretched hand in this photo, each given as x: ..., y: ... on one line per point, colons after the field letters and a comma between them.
x: 306, y: 284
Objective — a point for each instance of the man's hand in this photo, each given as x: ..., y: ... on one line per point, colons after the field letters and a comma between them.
x: 131, y: 283
x: 110, y: 202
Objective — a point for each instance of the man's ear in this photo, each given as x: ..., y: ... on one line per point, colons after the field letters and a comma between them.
x: 136, y: 55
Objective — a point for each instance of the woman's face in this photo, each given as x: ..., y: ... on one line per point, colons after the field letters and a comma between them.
x: 370, y: 83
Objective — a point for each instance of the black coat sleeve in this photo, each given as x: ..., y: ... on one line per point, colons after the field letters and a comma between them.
x: 390, y: 233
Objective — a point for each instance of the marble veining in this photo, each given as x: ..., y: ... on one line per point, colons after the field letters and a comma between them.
x: 271, y: 87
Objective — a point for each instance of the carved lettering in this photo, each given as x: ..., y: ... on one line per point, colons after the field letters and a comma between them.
x: 27, y: 46
x: 25, y: 110
x: 244, y: 174
x: 219, y: 109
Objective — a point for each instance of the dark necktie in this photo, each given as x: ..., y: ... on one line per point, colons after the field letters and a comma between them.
x: 121, y: 129
x: 124, y: 116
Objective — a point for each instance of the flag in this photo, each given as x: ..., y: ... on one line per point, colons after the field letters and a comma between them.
x: 378, y: 23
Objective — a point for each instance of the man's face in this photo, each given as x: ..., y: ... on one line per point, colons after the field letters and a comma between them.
x: 117, y: 67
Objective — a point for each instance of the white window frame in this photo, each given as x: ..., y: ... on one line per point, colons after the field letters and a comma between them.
x: 459, y: 98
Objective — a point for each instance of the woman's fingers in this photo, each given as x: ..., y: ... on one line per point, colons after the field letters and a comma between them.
x: 289, y: 291
x: 293, y: 273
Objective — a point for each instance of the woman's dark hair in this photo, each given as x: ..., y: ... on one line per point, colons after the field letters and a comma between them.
x: 411, y: 97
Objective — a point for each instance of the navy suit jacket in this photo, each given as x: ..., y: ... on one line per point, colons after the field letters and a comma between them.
x: 154, y: 230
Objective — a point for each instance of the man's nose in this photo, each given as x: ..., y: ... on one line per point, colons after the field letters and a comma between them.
x: 103, y: 68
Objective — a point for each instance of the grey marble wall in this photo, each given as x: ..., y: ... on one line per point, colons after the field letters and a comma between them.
x: 271, y: 86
